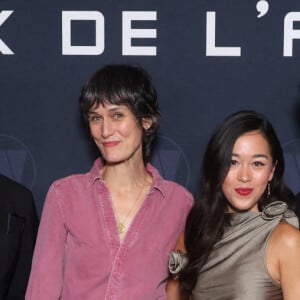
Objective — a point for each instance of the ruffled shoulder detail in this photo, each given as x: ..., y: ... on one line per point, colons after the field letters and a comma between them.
x: 279, y: 209
x: 177, y: 261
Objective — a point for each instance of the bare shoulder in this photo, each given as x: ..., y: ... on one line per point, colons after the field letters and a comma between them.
x: 283, y: 250
x: 284, y: 259
x: 286, y: 237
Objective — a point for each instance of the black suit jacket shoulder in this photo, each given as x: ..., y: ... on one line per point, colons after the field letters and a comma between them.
x: 18, y: 229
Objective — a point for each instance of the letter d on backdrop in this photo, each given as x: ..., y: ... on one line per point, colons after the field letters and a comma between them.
x: 67, y: 18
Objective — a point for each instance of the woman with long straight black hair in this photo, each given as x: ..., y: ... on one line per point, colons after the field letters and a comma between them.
x: 238, y: 241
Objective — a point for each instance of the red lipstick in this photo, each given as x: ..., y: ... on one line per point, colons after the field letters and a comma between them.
x: 244, y: 191
x: 110, y: 144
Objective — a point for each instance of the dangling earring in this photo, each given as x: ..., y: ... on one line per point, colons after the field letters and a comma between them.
x: 268, y: 190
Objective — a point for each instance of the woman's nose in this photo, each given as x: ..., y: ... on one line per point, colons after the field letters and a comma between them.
x: 107, y: 128
x: 244, y: 174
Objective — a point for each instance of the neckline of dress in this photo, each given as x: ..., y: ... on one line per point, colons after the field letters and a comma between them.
x: 238, y: 218
x: 271, y: 211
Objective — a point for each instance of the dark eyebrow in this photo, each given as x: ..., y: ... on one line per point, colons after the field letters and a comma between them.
x: 92, y: 113
x: 119, y: 107
x: 261, y: 155
x: 254, y: 156
x: 113, y: 109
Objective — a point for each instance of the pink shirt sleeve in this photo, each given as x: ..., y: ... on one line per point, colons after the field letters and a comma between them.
x: 45, y: 280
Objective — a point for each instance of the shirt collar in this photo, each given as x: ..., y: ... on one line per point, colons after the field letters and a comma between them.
x: 94, y: 174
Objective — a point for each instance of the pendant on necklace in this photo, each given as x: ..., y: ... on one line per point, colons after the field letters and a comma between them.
x: 121, y: 227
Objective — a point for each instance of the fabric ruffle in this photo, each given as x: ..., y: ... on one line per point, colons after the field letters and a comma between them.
x: 275, y: 209
x: 177, y: 261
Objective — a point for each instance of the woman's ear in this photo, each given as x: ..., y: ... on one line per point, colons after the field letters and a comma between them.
x: 273, y: 171
x: 146, y: 122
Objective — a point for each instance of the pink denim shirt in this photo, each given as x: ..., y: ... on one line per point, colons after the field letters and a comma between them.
x: 78, y: 254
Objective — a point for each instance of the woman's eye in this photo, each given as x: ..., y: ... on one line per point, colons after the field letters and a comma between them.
x: 118, y: 116
x: 258, y: 164
x: 94, y: 118
x: 233, y: 162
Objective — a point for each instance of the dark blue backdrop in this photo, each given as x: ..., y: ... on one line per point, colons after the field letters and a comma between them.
x: 208, y: 58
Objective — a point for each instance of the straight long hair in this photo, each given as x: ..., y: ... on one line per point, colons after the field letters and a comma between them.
x: 205, y: 222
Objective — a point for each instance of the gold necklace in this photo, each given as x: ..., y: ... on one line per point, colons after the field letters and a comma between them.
x: 121, y: 223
